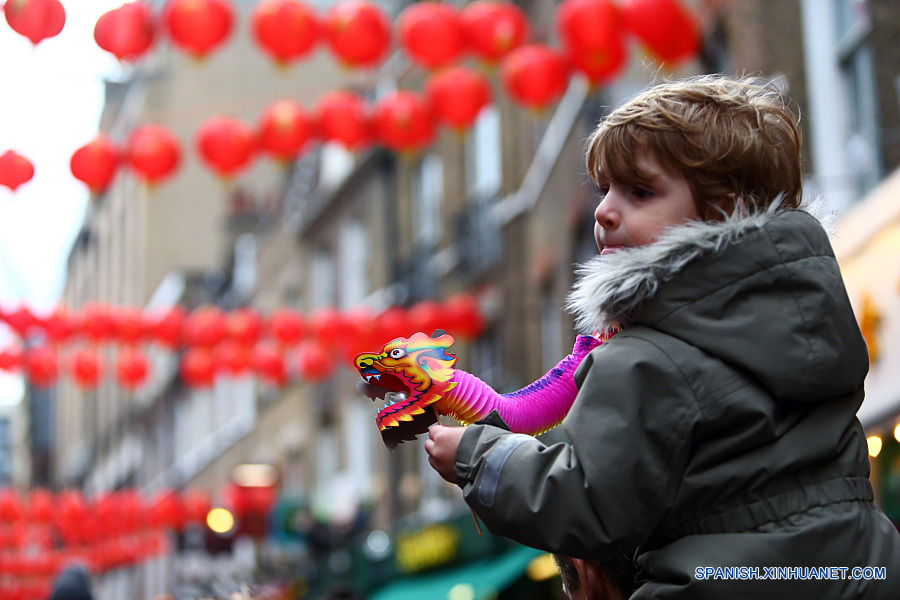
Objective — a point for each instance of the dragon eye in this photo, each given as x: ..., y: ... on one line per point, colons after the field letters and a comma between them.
x: 397, y: 353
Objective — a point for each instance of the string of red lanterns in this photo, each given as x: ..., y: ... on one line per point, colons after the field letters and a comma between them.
x: 42, y: 532
x: 403, y: 121
x: 358, y: 33
x: 433, y: 34
x: 284, y: 347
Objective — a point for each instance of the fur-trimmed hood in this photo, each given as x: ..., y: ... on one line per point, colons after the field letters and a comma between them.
x: 761, y: 290
x: 611, y: 287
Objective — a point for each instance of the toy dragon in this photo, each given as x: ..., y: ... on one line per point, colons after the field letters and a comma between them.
x: 416, y: 379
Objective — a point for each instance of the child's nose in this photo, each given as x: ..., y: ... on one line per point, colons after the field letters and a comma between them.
x: 606, y: 214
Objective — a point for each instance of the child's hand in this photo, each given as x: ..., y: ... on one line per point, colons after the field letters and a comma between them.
x: 441, y: 448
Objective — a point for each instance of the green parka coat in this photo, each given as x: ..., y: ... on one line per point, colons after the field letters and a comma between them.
x: 717, y: 429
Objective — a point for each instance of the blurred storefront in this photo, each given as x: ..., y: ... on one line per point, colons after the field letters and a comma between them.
x: 868, y: 248
x: 441, y: 560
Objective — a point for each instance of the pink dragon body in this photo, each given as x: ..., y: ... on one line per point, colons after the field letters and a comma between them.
x: 417, y: 380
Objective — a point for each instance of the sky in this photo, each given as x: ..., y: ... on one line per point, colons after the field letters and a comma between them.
x: 51, y: 97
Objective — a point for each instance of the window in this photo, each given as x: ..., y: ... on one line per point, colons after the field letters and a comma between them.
x: 858, y: 74
x: 354, y: 261
x: 323, y: 280
x: 429, y: 191
x: 484, y: 165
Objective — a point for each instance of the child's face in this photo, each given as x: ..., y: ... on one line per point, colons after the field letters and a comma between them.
x: 635, y: 215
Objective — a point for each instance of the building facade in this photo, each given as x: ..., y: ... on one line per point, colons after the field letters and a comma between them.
x: 503, y: 213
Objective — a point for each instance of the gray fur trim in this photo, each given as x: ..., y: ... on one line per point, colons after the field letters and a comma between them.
x: 610, y: 288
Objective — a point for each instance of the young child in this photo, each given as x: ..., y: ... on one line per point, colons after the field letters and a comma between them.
x: 715, y: 436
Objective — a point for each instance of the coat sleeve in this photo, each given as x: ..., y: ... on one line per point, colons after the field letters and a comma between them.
x: 607, y: 491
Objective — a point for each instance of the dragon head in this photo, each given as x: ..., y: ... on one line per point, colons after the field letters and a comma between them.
x: 409, y: 375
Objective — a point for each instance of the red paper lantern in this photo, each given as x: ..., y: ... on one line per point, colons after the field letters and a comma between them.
x: 431, y: 33
x: 129, y: 326
x: 591, y: 31
x: 535, y: 75
x: 665, y: 27
x: 226, y: 145
x: 328, y: 325
x: 457, y: 95
x: 132, y: 368
x: 110, y: 514
x: 362, y: 334
x: 85, y: 367
x: 126, y: 32
x: 95, y: 164
x: 35, y: 19
x: 22, y: 321
x: 10, y: 506
x: 132, y: 509
x: 285, y: 29
x: 493, y: 28
x: 153, y: 152
x: 10, y: 359
x: 358, y: 33
x: 427, y: 316
x: 268, y: 364
x: 244, y: 326
x: 165, y: 327
x: 197, y: 367
x: 197, y: 505
x: 287, y: 326
x: 58, y: 326
x: 198, y: 26
x: 232, y: 358
x: 41, y: 366
x: 463, y: 316
x: 404, y: 121
x: 71, y: 508
x: 360, y: 324
x: 343, y: 118
x: 314, y: 363
x: 15, y: 169
x: 283, y: 129
x: 40, y: 506
x: 96, y: 322
x: 392, y: 323
x: 166, y: 510
x: 206, y: 326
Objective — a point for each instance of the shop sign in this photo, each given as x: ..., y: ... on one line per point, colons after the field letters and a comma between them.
x: 431, y: 547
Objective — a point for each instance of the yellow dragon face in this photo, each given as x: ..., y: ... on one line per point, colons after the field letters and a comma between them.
x: 410, y: 375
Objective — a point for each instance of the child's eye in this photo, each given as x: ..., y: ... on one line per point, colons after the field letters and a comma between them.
x: 604, y: 190
x: 641, y: 193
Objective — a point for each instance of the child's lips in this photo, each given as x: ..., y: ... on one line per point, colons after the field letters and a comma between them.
x: 610, y: 249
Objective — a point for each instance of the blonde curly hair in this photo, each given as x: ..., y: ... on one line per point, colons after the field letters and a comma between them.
x: 734, y: 140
